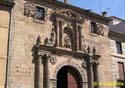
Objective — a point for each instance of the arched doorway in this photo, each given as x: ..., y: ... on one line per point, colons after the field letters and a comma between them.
x: 68, y: 77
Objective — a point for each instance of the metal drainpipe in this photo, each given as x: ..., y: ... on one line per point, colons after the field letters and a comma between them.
x: 9, y: 50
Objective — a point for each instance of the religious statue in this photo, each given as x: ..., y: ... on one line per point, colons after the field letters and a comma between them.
x: 67, y: 41
x: 52, y: 40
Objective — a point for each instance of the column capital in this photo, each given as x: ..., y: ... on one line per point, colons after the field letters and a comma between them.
x: 43, y: 53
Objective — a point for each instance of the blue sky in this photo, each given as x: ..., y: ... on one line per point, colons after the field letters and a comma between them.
x: 113, y: 7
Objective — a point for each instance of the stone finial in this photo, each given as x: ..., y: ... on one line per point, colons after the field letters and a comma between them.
x: 94, y: 50
x: 88, y: 49
x: 39, y: 40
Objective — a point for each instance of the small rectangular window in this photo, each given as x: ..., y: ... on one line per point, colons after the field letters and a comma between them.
x: 40, y: 13
x: 121, y: 70
x: 93, y: 27
x: 119, y: 47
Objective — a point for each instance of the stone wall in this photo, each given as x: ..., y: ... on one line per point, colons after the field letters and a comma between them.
x: 25, y: 32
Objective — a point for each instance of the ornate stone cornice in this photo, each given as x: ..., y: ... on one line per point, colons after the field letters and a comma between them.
x: 59, y: 51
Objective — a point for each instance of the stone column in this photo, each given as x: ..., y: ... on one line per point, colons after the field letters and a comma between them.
x: 57, y: 32
x: 95, y: 73
x: 77, y: 37
x: 45, y: 71
x: 38, y: 74
x: 80, y: 37
x: 61, y: 32
x: 89, y: 73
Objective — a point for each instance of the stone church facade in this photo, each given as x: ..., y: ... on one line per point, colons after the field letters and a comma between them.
x: 57, y: 45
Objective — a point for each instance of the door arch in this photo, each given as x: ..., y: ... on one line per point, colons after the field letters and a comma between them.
x: 68, y: 77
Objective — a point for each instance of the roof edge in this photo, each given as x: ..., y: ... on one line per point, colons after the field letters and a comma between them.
x: 7, y: 3
x: 78, y: 9
x: 116, y: 18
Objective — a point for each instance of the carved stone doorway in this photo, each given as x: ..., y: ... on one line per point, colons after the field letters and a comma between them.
x: 68, y: 77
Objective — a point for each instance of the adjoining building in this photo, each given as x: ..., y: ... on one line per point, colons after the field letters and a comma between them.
x: 5, y: 10
x: 117, y: 47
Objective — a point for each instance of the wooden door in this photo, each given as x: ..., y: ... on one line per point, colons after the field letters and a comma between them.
x: 67, y: 78
x: 72, y: 83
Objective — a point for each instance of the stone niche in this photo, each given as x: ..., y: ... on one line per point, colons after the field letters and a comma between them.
x: 67, y: 28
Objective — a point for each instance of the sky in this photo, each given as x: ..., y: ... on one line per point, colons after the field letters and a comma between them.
x: 113, y: 7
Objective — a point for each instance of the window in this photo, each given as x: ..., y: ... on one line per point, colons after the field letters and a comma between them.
x: 119, y: 47
x: 93, y: 27
x: 40, y: 13
x: 121, y: 70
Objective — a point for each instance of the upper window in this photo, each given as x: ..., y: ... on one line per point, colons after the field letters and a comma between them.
x: 93, y: 27
x: 40, y: 13
x: 119, y: 47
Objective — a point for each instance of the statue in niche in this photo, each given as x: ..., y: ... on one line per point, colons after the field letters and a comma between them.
x: 67, y: 41
x: 29, y: 9
x: 52, y: 40
x: 53, y: 37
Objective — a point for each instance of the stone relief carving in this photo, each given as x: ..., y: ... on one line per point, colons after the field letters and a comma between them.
x: 69, y: 25
x: 84, y: 65
x: 100, y: 29
x: 73, y: 64
x: 69, y: 13
x: 67, y: 41
x: 52, y: 40
x: 53, y: 60
x: 29, y: 9
x: 23, y: 69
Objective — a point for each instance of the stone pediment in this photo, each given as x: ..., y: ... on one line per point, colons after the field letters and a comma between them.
x: 69, y: 14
